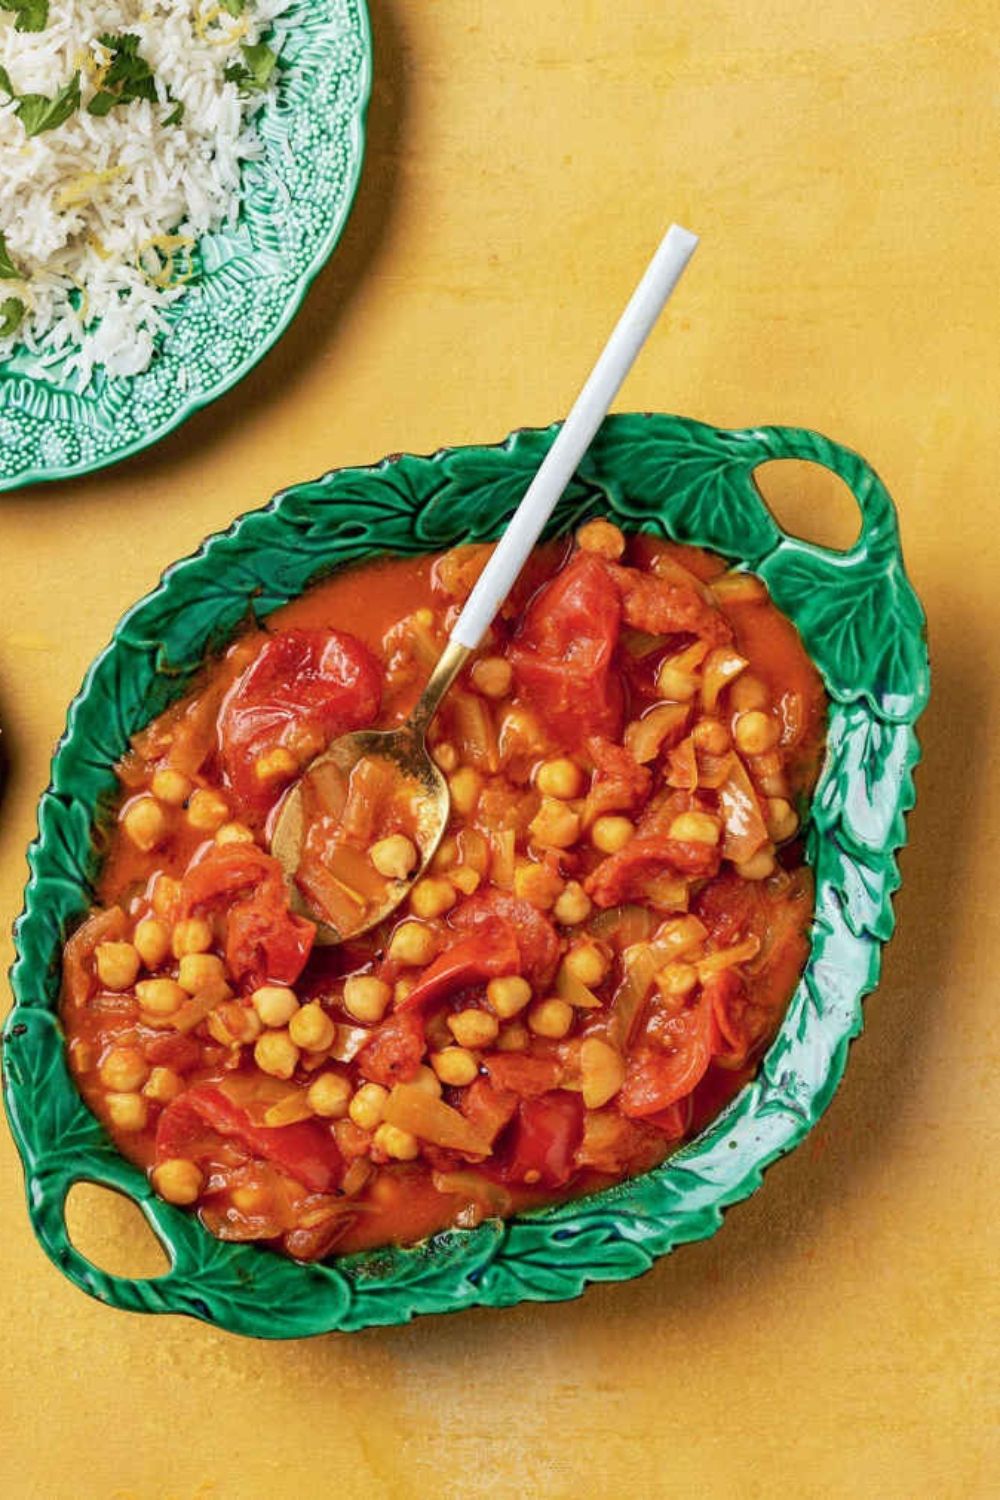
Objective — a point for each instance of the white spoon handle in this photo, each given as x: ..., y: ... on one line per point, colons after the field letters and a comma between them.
x: 589, y: 410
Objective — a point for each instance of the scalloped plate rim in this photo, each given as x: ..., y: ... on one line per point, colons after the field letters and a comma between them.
x: 27, y: 478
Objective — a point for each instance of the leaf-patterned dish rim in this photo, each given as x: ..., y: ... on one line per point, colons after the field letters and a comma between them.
x: 63, y: 403
x: 661, y: 473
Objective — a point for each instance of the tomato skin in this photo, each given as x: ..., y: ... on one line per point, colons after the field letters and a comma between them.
x: 264, y: 940
x: 655, y: 1078
x: 536, y: 938
x: 563, y: 653
x: 317, y: 683
x: 394, y: 1053
x: 622, y: 877
x: 522, y: 1074
x: 304, y: 1150
x: 490, y: 952
x: 545, y: 1136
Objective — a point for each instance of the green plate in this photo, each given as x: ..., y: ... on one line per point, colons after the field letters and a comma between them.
x: 251, y: 279
x: 862, y: 624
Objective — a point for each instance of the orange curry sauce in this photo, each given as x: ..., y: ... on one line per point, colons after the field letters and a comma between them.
x: 604, y: 946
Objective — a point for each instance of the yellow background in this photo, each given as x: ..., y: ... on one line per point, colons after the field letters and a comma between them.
x: 841, y: 163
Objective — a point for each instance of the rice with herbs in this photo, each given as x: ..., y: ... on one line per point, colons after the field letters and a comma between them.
x: 123, y: 128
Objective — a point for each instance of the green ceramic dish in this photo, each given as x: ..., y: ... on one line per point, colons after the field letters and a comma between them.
x: 251, y: 279
x: 864, y: 628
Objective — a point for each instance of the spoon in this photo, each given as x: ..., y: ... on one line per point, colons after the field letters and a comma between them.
x: 405, y: 748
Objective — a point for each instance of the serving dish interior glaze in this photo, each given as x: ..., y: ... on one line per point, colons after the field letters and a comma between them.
x: 251, y: 277
x: 863, y: 626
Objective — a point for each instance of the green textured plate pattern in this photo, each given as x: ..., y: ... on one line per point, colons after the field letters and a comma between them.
x: 252, y: 278
x: 862, y: 624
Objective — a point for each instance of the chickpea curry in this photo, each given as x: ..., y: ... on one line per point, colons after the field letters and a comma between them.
x: 602, y: 947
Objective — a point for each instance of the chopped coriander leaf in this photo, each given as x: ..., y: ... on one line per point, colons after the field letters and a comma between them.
x: 5, y: 82
x: 8, y: 270
x: 129, y: 76
x: 254, y: 74
x: 31, y: 15
x: 11, y: 315
x: 233, y: 7
x: 176, y: 115
x: 37, y: 112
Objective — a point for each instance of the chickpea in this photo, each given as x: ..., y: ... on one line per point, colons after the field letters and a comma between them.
x: 178, y: 1180
x: 550, y: 1018
x: 455, y: 1066
x: 160, y: 997
x: 601, y: 537
x: 555, y: 826
x: 276, y: 1054
x: 602, y: 1071
x: 513, y: 1037
x: 431, y: 898
x: 145, y: 823
x: 492, y: 676
x: 506, y: 997
x: 587, y: 962
x: 755, y: 733
x: 473, y: 1028
x: 560, y: 777
x: 782, y: 819
x: 367, y: 1106
x: 366, y: 998
x: 427, y: 1080
x: 311, y: 1028
x: 696, y: 828
x: 200, y: 972
x: 759, y: 866
x: 573, y: 906
x: 611, y: 833
x: 127, y: 1111
x: 329, y: 1096
x: 163, y: 1085
x: 465, y: 786
x: 166, y: 894
x: 234, y: 833
x: 191, y: 936
x: 117, y: 965
x: 275, y: 1004
x: 538, y: 883
x: 712, y: 736
x: 152, y: 941
x: 748, y: 694
x: 394, y: 857
x: 123, y: 1070
x: 445, y: 757
x: 399, y: 1144
x: 207, y: 811
x: 412, y: 944
x: 171, y: 787
x: 465, y: 879
x: 402, y: 988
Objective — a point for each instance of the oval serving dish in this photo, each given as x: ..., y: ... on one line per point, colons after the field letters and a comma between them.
x: 251, y: 278
x: 862, y: 624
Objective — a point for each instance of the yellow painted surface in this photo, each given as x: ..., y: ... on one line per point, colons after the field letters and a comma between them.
x: 840, y: 161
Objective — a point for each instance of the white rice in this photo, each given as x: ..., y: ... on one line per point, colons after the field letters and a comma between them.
x: 86, y: 264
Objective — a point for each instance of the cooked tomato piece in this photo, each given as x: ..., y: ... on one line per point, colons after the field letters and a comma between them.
x: 656, y: 1077
x: 664, y: 606
x: 563, y: 654
x: 264, y: 940
x: 537, y: 940
x: 625, y: 876
x: 190, y: 1126
x: 490, y: 953
x: 488, y: 1108
x: 620, y: 784
x: 302, y: 689
x: 393, y: 1055
x: 545, y: 1136
x: 524, y: 1074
